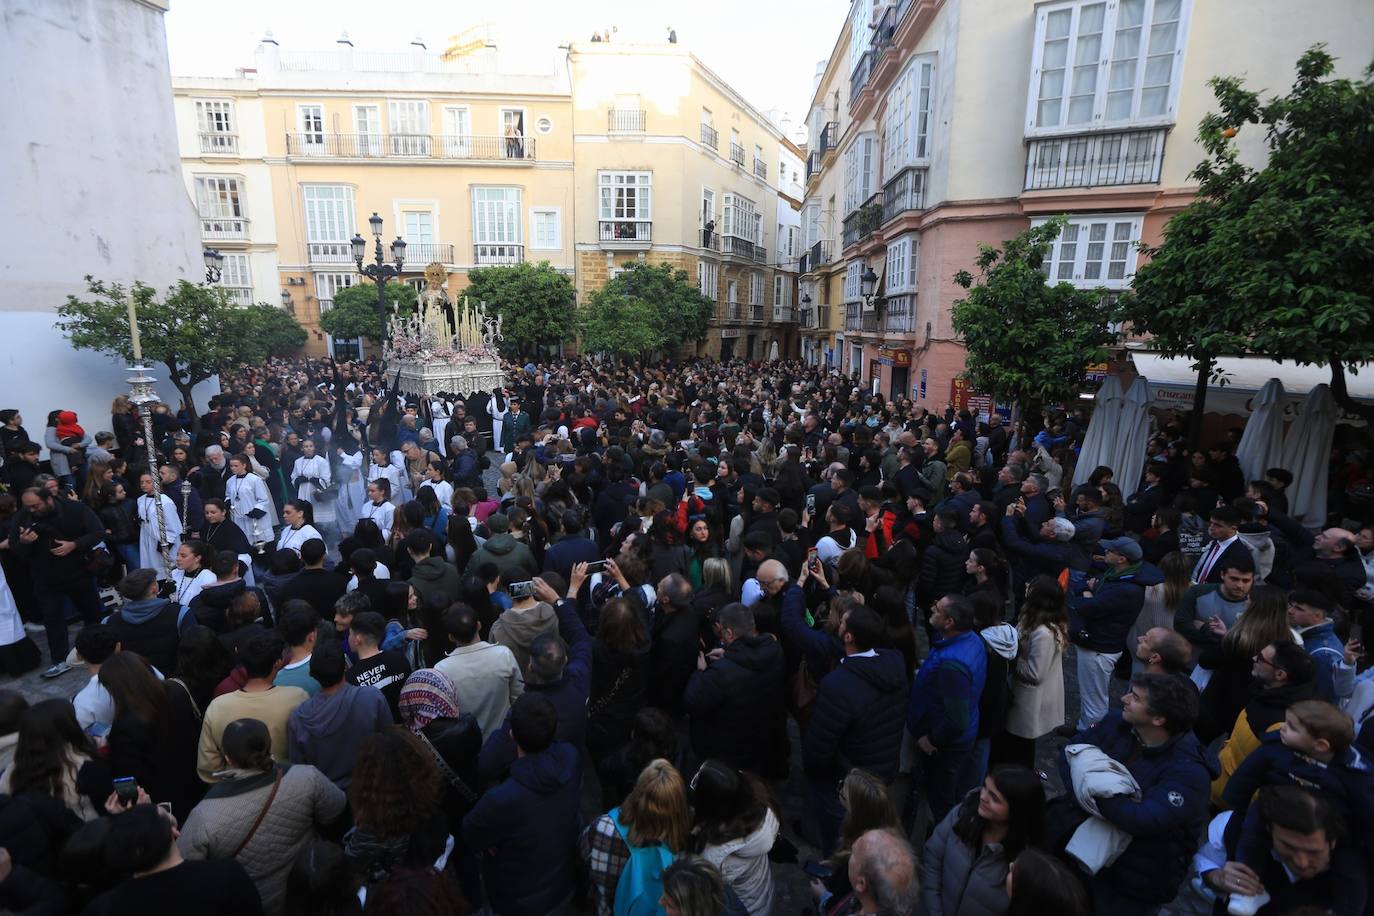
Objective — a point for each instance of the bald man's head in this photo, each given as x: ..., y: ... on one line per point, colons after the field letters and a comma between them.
x: 882, y: 871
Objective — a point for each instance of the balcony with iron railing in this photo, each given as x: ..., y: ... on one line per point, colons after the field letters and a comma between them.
x: 760, y: 168
x: 733, y: 246
x: 1123, y: 157
x: 857, y: 318
x: 899, y: 314
x: 814, y: 258
x: 625, y: 232
x: 420, y: 254
x: 906, y: 191
x: 710, y: 137
x: 859, y: 78
x: 314, y: 145
x: 883, y: 33
x: 219, y: 143
x: 860, y: 224
x: 813, y: 165
x: 755, y: 313
x: 485, y: 254
x: 732, y: 311
x: 830, y: 137
x: 224, y: 228
x: 709, y: 240
x: 626, y: 121
x: 737, y: 154
x: 784, y: 314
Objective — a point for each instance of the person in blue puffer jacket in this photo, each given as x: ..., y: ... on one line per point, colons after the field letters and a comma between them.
x: 1100, y: 617
x: 1152, y: 736
x: 943, y: 714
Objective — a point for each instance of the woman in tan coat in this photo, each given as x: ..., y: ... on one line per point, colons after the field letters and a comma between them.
x: 1037, y: 698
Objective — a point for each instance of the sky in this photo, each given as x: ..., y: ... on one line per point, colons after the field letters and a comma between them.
x: 766, y: 50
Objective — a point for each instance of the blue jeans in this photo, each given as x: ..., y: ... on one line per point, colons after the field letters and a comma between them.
x: 128, y: 553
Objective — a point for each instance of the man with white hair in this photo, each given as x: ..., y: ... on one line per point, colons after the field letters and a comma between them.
x: 1050, y: 555
x: 210, y: 477
x: 882, y: 871
x: 464, y: 463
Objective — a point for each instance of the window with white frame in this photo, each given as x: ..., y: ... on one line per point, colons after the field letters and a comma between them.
x: 791, y: 251
x: 1095, y: 251
x: 900, y: 275
x: 367, y: 129
x: 907, y: 124
x: 780, y: 297
x: 327, y: 285
x: 496, y: 220
x: 545, y: 230
x: 310, y: 120
x: 215, y: 121
x: 858, y: 172
x: 236, y: 275
x: 1098, y: 63
x: 708, y: 206
x: 732, y: 292
x: 741, y: 218
x: 813, y: 225
x: 626, y: 195
x: 219, y: 196
x: 409, y: 120
x: 328, y: 221
x: 457, y: 126
x: 859, y: 31
x: 708, y: 279
x: 419, y: 227
x: 853, y: 291
x: 756, y: 289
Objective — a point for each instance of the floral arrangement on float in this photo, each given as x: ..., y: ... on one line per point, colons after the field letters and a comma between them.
x: 432, y: 351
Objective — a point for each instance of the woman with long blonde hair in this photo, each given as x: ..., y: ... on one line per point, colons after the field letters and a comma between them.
x: 650, y: 829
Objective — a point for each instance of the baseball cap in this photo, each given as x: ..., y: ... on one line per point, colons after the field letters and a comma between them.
x: 1125, y: 546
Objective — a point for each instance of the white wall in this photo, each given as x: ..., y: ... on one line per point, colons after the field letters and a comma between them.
x: 93, y: 186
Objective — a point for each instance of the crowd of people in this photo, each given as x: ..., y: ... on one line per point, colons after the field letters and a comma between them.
x: 625, y: 639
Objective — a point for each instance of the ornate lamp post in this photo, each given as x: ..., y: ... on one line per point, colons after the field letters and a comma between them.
x: 379, y: 271
x: 143, y: 396
x: 214, y: 265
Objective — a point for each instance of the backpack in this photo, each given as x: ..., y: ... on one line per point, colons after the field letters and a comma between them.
x: 641, y: 880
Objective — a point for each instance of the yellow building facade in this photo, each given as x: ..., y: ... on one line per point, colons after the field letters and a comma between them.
x: 474, y: 167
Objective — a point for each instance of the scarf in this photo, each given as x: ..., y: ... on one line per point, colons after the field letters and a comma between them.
x: 427, y: 695
x: 67, y: 426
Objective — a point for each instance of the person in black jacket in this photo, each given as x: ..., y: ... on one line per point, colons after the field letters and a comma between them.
x: 858, y: 721
x: 735, y: 701
x: 942, y: 564
x: 147, y: 623
x: 314, y: 584
x: 211, y: 606
x: 56, y: 537
x: 675, y: 643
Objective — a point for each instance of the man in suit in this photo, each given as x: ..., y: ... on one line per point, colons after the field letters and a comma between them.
x: 1225, y: 547
x: 515, y: 423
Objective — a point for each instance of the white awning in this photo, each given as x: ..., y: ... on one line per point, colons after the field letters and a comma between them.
x: 1172, y: 381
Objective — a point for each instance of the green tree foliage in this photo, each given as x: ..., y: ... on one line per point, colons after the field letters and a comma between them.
x: 1028, y: 342
x: 619, y: 325
x: 1274, y: 261
x: 659, y: 309
x: 195, y: 331
x: 354, y: 312
x: 536, y: 304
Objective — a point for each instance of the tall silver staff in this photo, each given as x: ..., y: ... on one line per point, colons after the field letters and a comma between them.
x: 144, y: 396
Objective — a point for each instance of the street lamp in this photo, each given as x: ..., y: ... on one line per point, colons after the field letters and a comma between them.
x: 144, y: 397
x: 214, y: 265
x: 867, y: 284
x: 379, y: 271
x: 286, y: 302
